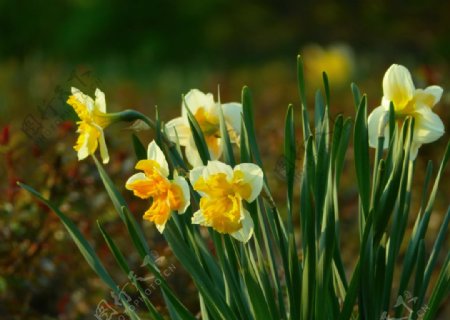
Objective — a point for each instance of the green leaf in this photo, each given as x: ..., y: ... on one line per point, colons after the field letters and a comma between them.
x: 362, y: 164
x: 303, y: 99
x: 421, y: 226
x: 227, y: 148
x: 84, y: 247
x: 213, y: 297
x: 139, y: 149
x: 290, y: 157
x: 326, y: 86
x: 440, y: 290
x: 247, y: 108
x: 431, y: 264
x: 198, y: 136
x: 138, y: 238
x: 356, y: 95
x: 126, y: 269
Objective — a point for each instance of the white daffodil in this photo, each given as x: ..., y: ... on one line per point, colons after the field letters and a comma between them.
x: 206, y: 112
x: 167, y: 195
x: 93, y: 119
x: 398, y: 87
x: 222, y: 189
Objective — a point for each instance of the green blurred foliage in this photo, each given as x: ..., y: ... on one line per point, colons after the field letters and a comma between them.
x: 217, y: 30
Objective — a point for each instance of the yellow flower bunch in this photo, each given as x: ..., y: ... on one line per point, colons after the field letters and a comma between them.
x: 93, y: 119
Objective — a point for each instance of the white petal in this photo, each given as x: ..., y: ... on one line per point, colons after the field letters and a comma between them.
x: 100, y: 102
x: 373, y: 124
x: 178, y: 127
x: 232, y: 113
x: 83, y: 152
x: 253, y: 175
x: 161, y: 227
x: 245, y: 233
x: 192, y: 155
x: 398, y: 86
x: 83, y: 99
x: 198, y: 218
x: 184, y: 186
x: 428, y: 127
x: 195, y: 174
x: 136, y: 177
x: 196, y: 99
x: 428, y: 97
x: 103, y: 149
x: 214, y: 167
x: 155, y: 153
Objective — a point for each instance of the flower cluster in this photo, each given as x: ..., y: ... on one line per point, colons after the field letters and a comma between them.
x: 206, y: 112
x: 168, y: 195
x: 399, y: 89
x: 222, y: 188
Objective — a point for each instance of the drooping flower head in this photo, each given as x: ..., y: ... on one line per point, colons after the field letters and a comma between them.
x: 206, y: 112
x: 93, y: 119
x: 222, y: 189
x: 167, y: 195
x: 399, y: 89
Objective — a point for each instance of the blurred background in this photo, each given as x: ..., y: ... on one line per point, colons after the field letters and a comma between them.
x: 148, y: 54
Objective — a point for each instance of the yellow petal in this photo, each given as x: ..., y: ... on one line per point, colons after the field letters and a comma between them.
x: 196, y: 99
x: 214, y: 146
x: 222, y: 213
x: 179, y: 195
x: 87, y: 141
x: 248, y: 180
x: 141, y: 186
x: 158, y: 213
x: 398, y: 86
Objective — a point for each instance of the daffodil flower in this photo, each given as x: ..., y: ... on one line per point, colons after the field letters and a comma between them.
x: 93, y: 119
x: 167, y: 195
x: 398, y: 87
x: 206, y: 112
x: 222, y: 189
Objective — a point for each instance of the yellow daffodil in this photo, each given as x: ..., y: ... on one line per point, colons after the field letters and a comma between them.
x: 167, y: 195
x: 93, y: 119
x: 398, y: 87
x: 206, y: 112
x: 337, y: 60
x: 222, y: 189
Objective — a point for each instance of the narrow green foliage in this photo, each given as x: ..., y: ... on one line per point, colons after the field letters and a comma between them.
x: 85, y: 249
x: 197, y: 134
x: 281, y: 273
x: 139, y: 148
x: 362, y: 165
x: 227, y: 148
